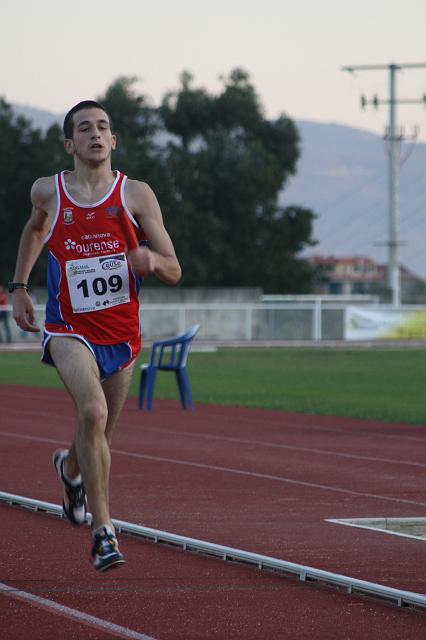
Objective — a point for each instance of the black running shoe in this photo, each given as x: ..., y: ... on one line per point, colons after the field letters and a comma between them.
x: 74, y: 500
x: 105, y: 553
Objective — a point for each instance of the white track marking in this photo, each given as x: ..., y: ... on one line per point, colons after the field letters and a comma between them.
x: 257, y: 443
x: 274, y: 445
x: 265, y: 476
x: 360, y: 431
x: 252, y: 474
x: 23, y: 436
x: 365, y: 431
x: 230, y: 554
x: 73, y: 614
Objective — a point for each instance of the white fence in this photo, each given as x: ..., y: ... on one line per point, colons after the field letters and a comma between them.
x: 310, y: 321
x: 242, y: 322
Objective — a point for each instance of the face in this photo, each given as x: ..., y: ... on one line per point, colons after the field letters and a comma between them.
x: 92, y: 140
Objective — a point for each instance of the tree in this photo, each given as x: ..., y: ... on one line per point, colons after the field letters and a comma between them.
x: 227, y: 164
x: 217, y: 165
x: 25, y: 155
x: 140, y: 134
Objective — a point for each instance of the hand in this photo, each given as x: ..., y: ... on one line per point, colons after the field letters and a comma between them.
x: 23, y: 311
x: 142, y: 260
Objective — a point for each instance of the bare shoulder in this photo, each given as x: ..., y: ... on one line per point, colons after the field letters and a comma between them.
x: 43, y: 192
x: 140, y: 197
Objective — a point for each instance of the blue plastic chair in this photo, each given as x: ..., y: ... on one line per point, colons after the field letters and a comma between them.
x: 168, y: 355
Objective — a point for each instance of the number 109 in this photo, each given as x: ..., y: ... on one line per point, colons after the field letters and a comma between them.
x: 101, y: 286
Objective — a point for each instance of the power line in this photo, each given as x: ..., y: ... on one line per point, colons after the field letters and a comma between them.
x: 356, y: 225
x: 354, y: 234
x: 394, y: 274
x: 350, y: 192
x: 354, y: 231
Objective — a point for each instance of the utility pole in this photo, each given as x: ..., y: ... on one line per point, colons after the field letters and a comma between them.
x: 394, y: 273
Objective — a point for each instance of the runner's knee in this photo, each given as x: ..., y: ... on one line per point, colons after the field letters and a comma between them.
x: 93, y: 415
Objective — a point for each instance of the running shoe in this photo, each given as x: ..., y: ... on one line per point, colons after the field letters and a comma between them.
x: 105, y: 553
x: 74, y: 500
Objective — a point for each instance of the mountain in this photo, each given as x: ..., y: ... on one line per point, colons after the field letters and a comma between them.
x: 342, y: 176
x: 41, y: 119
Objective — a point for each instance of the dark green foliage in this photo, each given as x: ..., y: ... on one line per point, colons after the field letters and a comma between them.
x: 26, y: 153
x: 136, y: 125
x: 216, y: 165
x: 227, y: 166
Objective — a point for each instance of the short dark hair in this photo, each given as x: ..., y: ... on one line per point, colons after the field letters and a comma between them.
x: 68, y: 127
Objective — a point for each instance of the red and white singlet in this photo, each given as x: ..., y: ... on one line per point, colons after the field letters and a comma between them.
x: 92, y: 291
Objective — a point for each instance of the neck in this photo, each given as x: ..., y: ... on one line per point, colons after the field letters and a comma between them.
x: 93, y: 174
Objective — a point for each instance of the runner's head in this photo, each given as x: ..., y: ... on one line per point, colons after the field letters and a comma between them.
x: 88, y: 134
x: 69, y: 123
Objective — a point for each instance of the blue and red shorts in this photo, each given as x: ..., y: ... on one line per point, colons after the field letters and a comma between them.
x: 110, y: 358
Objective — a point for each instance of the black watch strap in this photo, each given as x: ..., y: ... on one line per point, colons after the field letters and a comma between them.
x: 17, y: 285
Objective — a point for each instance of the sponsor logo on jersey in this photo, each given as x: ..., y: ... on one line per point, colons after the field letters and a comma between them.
x: 95, y: 236
x: 79, y: 269
x: 91, y: 247
x: 70, y: 244
x: 68, y: 215
x: 90, y: 215
x: 72, y: 270
x: 113, y: 212
x: 108, y: 264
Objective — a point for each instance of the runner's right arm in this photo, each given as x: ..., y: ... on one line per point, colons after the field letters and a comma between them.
x: 30, y: 247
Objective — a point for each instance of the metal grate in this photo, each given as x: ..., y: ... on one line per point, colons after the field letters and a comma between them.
x: 229, y: 554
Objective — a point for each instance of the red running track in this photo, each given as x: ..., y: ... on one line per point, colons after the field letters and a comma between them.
x: 262, y: 481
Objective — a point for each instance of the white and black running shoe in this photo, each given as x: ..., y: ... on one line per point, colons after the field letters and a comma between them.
x: 74, y: 501
x: 105, y: 553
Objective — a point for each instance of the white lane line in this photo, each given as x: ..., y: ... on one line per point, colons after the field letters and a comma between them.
x: 242, y: 472
x: 360, y: 430
x: 231, y: 554
x: 257, y: 443
x: 23, y: 436
x: 275, y: 445
x: 72, y: 614
x: 266, y: 476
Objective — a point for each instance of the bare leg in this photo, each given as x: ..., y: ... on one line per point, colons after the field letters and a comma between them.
x: 116, y: 389
x: 90, y: 452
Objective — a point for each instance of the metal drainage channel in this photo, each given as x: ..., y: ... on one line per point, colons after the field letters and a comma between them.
x: 229, y: 554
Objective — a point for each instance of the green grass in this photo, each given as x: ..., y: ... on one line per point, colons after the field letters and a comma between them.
x: 373, y: 384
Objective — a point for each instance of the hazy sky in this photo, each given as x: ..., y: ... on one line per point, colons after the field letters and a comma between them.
x: 56, y: 53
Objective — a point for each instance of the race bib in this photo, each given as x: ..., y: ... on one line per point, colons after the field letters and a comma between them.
x: 98, y: 283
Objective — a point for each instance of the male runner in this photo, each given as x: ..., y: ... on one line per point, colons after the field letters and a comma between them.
x: 92, y: 333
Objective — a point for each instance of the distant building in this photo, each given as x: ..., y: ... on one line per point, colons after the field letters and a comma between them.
x: 359, y: 274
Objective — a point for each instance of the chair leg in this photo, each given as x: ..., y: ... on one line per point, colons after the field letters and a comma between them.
x: 146, y: 387
x: 142, y: 387
x: 181, y: 388
x: 151, y: 371
x: 184, y: 388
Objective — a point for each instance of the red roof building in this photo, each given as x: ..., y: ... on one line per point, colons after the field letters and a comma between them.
x: 360, y: 274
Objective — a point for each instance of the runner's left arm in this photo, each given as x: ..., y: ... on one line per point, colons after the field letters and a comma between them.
x: 160, y: 258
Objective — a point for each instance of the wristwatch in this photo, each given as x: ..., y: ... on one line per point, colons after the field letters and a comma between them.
x: 17, y: 285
